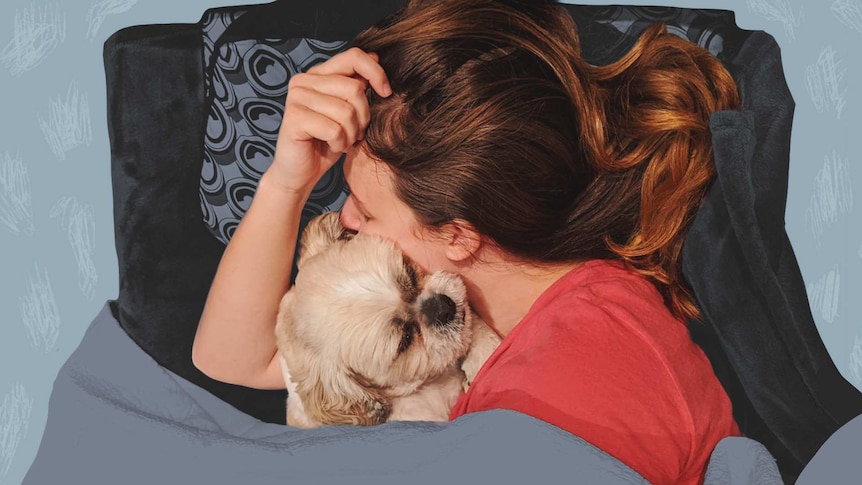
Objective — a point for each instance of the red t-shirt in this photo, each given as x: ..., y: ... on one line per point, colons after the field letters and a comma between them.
x: 601, y: 356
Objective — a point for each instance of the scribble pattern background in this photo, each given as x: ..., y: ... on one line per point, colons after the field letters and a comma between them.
x: 58, y: 263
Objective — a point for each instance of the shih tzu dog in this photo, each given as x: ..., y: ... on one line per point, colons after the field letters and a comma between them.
x: 365, y: 337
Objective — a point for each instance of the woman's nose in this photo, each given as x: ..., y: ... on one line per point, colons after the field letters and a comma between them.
x: 350, y: 217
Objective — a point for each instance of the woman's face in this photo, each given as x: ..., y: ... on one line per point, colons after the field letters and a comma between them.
x: 373, y: 208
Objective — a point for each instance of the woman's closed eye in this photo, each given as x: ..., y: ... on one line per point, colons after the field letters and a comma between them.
x: 353, y: 214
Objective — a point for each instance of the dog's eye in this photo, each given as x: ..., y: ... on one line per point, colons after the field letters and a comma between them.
x: 409, y: 281
x: 407, y: 336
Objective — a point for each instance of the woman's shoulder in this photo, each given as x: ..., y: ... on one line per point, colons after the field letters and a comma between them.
x: 602, y: 357
x: 608, y: 275
x: 612, y: 321
x: 604, y: 290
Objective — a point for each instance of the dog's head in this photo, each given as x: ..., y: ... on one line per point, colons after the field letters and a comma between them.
x: 363, y: 325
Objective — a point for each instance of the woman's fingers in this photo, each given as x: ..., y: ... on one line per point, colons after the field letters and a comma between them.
x: 348, y: 90
x: 311, y: 125
x: 325, y: 113
x: 356, y: 63
x: 336, y: 109
x: 336, y: 89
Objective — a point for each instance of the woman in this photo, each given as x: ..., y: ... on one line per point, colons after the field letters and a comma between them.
x: 480, y: 141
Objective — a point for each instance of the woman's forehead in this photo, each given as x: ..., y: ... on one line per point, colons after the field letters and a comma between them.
x: 366, y: 175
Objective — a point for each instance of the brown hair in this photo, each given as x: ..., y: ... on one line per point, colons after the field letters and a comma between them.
x: 497, y: 120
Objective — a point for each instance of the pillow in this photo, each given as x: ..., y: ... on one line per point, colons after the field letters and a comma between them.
x: 166, y: 257
x: 246, y: 84
x: 247, y: 69
x: 248, y: 88
x: 609, y: 32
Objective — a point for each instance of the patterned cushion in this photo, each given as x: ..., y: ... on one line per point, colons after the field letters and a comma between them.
x: 608, y: 32
x: 246, y: 85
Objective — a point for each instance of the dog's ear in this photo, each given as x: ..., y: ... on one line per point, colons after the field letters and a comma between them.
x: 284, y: 325
x: 288, y: 348
x: 296, y: 415
x: 332, y: 396
x: 319, y: 234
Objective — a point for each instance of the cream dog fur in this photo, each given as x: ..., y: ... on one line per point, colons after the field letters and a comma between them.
x: 365, y: 338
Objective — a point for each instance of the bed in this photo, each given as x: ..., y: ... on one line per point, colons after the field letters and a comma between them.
x: 192, y: 114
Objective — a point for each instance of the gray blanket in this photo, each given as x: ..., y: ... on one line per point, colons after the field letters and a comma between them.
x: 115, y: 416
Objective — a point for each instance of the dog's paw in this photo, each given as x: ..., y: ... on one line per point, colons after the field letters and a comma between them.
x: 372, y: 412
x: 377, y: 411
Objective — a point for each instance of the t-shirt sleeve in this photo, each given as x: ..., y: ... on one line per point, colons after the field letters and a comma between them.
x: 603, y: 382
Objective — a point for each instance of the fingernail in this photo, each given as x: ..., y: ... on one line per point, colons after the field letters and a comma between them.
x: 387, y: 89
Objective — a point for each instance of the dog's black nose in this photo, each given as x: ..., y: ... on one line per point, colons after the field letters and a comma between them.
x: 438, y: 310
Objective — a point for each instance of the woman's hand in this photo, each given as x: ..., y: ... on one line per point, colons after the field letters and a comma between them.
x: 325, y: 113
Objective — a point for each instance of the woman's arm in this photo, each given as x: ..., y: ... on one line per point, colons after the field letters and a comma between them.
x: 235, y: 342
x: 325, y: 113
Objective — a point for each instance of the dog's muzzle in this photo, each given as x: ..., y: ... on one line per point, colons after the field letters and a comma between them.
x: 439, y: 310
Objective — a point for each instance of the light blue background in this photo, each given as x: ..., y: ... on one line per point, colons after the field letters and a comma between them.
x: 830, y: 260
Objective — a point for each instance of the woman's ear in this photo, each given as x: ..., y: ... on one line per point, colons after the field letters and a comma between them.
x: 462, y: 240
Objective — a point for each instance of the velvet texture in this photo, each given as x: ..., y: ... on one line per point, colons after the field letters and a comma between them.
x: 757, y: 327
x: 167, y: 258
